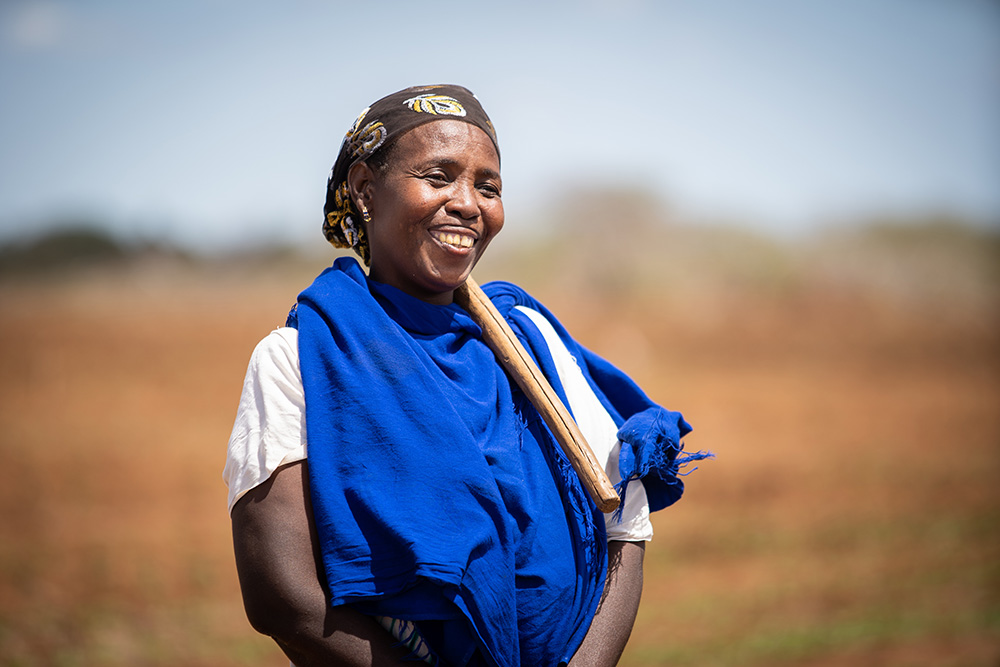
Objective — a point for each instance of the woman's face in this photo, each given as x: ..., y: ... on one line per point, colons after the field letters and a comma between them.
x: 434, y: 209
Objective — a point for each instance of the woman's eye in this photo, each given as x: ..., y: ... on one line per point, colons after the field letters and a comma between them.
x: 436, y: 177
x: 490, y: 190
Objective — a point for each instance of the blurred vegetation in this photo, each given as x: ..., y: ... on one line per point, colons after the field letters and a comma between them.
x: 628, y: 246
x: 936, y: 259
x: 625, y: 245
x: 74, y: 247
x: 67, y: 248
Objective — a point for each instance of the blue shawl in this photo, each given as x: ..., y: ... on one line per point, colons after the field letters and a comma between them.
x: 438, y: 494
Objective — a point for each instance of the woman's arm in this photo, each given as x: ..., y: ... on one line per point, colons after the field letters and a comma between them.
x: 277, y: 560
x: 612, y: 624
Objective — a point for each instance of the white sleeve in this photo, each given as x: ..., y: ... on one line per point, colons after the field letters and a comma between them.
x: 601, y: 433
x: 270, y: 426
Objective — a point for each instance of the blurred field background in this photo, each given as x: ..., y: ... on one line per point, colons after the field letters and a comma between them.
x: 849, y: 383
x: 781, y: 217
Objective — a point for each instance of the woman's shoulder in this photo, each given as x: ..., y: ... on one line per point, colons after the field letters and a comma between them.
x: 501, y: 290
x: 281, y: 339
x: 513, y: 300
x: 509, y: 298
x: 277, y: 351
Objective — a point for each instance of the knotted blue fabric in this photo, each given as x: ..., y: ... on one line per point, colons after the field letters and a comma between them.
x: 439, y: 495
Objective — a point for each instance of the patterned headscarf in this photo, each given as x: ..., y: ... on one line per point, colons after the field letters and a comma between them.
x: 377, y: 125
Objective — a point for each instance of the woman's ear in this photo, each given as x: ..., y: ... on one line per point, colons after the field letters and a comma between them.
x: 360, y: 182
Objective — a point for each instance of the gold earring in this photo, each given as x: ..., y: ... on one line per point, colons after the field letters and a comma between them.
x: 364, y: 213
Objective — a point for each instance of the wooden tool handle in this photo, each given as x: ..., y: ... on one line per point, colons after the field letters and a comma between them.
x: 518, y: 363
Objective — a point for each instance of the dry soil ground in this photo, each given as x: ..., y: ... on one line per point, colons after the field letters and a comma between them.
x: 851, y: 517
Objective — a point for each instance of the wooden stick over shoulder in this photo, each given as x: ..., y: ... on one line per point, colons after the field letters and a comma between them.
x: 518, y: 363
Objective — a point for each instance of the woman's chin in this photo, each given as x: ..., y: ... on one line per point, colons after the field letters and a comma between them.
x: 450, y: 282
x: 451, y: 271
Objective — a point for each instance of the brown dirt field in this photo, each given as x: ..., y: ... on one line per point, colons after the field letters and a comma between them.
x: 851, y: 516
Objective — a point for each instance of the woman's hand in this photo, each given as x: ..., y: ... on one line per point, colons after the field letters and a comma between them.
x: 612, y: 624
x: 277, y: 559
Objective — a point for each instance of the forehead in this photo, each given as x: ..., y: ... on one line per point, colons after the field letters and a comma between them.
x: 447, y: 139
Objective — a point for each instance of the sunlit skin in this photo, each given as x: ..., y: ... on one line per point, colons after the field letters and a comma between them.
x: 434, y: 209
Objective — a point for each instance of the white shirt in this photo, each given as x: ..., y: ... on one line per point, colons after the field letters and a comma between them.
x: 270, y: 426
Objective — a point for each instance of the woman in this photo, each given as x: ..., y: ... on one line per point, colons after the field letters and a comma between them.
x: 436, y: 518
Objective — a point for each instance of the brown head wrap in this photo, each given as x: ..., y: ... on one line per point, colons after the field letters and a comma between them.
x: 374, y: 129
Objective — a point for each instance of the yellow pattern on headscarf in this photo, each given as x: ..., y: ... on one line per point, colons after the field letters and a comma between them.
x: 436, y: 104
x: 340, y: 228
x: 357, y: 123
x: 366, y: 140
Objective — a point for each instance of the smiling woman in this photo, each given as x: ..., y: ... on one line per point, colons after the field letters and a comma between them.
x: 433, y: 210
x: 393, y: 493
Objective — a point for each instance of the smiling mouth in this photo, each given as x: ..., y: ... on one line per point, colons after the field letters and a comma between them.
x: 454, y: 240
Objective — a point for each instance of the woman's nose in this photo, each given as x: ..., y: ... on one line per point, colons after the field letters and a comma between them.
x: 464, y: 200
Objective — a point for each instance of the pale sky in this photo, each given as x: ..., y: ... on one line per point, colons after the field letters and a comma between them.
x: 205, y: 120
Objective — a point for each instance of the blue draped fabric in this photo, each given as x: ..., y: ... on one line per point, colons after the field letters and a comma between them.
x: 439, y: 495
x: 650, y: 434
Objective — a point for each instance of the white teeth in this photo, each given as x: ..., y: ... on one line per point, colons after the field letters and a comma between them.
x: 459, y: 240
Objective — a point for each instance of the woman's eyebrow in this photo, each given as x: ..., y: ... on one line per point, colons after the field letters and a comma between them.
x: 490, y: 173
